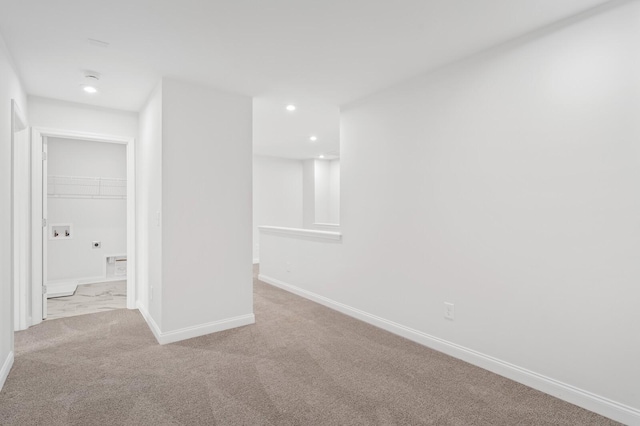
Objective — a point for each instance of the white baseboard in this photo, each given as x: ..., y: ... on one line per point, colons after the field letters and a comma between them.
x: 196, y: 331
x: 149, y: 320
x: 6, y: 367
x: 603, y: 406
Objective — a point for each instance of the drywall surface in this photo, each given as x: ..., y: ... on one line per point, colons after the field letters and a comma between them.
x: 92, y: 219
x: 206, y: 206
x: 308, y: 193
x: 507, y: 185
x: 277, y: 195
x: 334, y: 191
x: 149, y: 207
x: 10, y: 88
x: 62, y: 115
x: 322, y: 191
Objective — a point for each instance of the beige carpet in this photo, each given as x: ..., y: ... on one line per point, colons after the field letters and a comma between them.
x: 300, y: 364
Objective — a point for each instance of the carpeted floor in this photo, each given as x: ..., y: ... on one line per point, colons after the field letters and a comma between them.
x: 300, y: 364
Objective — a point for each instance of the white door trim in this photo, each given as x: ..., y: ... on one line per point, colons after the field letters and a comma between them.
x: 19, y: 257
x: 44, y: 165
x: 131, y: 203
x: 36, y: 228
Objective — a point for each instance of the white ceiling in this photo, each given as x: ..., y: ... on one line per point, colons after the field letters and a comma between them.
x: 317, y: 54
x: 280, y: 133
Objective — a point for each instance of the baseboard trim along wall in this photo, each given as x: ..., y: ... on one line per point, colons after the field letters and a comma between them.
x: 6, y: 367
x: 603, y: 406
x: 196, y: 331
x: 149, y: 320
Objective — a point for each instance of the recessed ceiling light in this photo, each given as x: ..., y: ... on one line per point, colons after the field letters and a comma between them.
x: 291, y: 107
x: 90, y: 89
x: 321, y: 156
x: 313, y: 138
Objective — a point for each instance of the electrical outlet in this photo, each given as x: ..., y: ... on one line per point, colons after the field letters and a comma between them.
x: 96, y: 244
x: 449, y: 311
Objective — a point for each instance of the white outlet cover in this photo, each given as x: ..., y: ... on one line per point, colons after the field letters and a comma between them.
x: 449, y: 311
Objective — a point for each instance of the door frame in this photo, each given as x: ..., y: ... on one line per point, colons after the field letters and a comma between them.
x: 39, y: 191
x: 20, y: 225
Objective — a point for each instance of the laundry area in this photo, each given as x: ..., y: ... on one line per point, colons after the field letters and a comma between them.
x: 84, y: 251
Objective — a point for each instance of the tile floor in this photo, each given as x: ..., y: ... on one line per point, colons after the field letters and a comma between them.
x: 89, y: 299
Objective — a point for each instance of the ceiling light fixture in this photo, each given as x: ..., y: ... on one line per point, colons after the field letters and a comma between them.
x: 313, y: 138
x: 291, y: 107
x: 91, y: 79
x: 321, y: 156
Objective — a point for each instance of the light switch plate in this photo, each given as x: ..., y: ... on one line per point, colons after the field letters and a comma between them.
x: 449, y: 311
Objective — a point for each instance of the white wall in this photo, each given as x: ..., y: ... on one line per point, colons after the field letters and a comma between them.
x: 277, y: 195
x: 56, y: 114
x: 10, y: 88
x: 206, y: 206
x: 507, y: 185
x: 334, y: 191
x: 148, y: 207
x: 322, y: 191
x: 308, y: 193
x: 194, y: 211
x: 103, y: 220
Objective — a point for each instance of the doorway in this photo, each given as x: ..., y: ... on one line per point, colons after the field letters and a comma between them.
x: 83, y: 223
x: 85, y: 246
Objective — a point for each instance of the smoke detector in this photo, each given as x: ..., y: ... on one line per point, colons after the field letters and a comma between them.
x: 92, y: 75
x: 91, y: 79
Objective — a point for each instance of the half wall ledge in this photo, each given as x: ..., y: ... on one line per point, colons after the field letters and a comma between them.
x: 302, y: 233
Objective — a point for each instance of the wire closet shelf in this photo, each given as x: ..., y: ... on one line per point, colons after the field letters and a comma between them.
x: 86, y: 187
